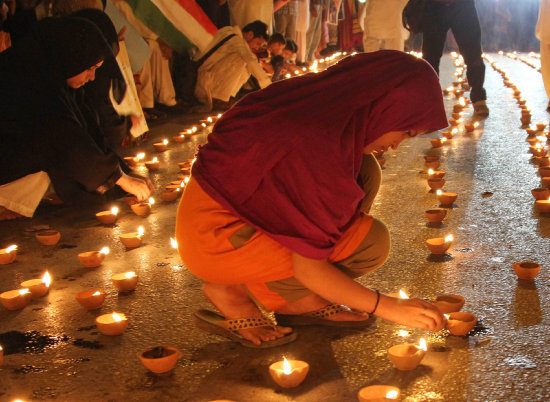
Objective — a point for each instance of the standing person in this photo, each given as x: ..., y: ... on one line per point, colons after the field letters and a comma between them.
x: 382, y: 26
x: 317, y: 15
x: 460, y: 16
x: 286, y: 13
x: 48, y: 131
x: 284, y: 225
x: 302, y: 24
x: 542, y: 32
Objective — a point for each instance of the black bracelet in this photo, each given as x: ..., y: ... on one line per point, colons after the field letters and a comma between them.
x: 377, y: 301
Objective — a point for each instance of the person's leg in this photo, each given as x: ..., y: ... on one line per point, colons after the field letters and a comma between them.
x: 313, y: 35
x: 467, y: 32
x: 370, y: 44
x: 394, y: 44
x: 545, y: 67
x: 161, y: 77
x: 435, y: 29
x: 146, y: 94
x: 22, y: 196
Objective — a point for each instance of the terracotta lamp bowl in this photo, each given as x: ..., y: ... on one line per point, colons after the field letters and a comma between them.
x: 449, y: 303
x: 438, y: 245
x: 169, y: 196
x: 130, y: 240
x: 377, y: 393
x: 406, y: 356
x: 141, y: 209
x: 160, y: 359
x: 435, y: 215
x: 541, y: 193
x: 295, y: 378
x: 526, y: 270
x: 91, y: 259
x: 48, y: 237
x: 152, y: 165
x: 106, y: 217
x: 461, y: 323
x: 436, y: 184
x: 90, y: 302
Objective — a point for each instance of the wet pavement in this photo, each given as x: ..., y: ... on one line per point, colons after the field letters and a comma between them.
x: 53, y: 351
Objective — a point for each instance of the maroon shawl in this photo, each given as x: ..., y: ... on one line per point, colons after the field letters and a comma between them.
x: 286, y: 159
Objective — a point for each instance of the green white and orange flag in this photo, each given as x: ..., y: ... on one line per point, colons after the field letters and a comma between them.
x: 180, y: 23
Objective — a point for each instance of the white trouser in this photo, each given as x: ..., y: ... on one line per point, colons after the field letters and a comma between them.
x: 156, y: 80
x: 371, y: 44
x: 23, y: 195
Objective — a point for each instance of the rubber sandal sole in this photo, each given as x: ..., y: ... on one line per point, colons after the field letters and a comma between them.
x: 206, y: 320
x: 288, y: 320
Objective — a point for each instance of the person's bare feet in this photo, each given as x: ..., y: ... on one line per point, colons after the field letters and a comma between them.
x: 233, y: 302
x: 314, y: 302
x: 7, y: 215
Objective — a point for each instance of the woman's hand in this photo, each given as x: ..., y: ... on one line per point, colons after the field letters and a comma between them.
x: 416, y: 313
x: 138, y: 186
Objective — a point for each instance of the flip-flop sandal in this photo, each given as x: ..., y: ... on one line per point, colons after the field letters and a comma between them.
x: 320, y: 317
x: 214, y: 323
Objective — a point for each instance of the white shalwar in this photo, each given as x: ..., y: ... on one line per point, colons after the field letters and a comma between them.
x: 23, y: 195
x: 242, y: 12
x: 383, y: 26
x: 542, y: 32
x: 228, y: 68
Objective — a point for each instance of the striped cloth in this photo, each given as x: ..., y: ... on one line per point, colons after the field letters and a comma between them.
x: 180, y: 23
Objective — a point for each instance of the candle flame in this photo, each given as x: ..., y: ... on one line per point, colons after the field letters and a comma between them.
x: 182, y: 183
x: 1, y: 348
x: 104, y: 250
x: 130, y: 275
x: 538, y: 145
x: 11, y: 248
x: 141, y: 232
x: 194, y: 129
x: 449, y: 238
x: 422, y: 344
x: 24, y: 291
x: 286, y: 366
x: 117, y: 317
x: 114, y: 210
x: 447, y: 316
x: 203, y: 124
x: 140, y: 156
x: 173, y: 243
x: 151, y: 200
x: 443, y: 139
x: 430, y: 172
x: 219, y: 115
x: 209, y: 119
x: 96, y: 293
x: 186, y: 180
x: 439, y: 192
x: 462, y: 101
x: 403, y: 295
x: 287, y: 75
x: 165, y: 142
x: 178, y: 189
x: 476, y: 124
x: 155, y: 160
x: 47, y: 279
x: 393, y: 394
x: 455, y: 130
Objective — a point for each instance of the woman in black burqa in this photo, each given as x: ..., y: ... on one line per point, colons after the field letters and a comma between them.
x: 46, y: 122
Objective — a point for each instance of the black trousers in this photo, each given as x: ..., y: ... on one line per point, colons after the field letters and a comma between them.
x: 461, y: 18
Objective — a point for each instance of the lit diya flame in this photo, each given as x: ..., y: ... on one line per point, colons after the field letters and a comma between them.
x: 538, y: 145
x: 118, y: 317
x: 203, y: 124
x: 165, y: 142
x: 173, y: 243
x: 181, y: 185
x: 47, y: 279
x: 141, y: 232
x: 11, y: 248
x: 439, y: 192
x: 443, y: 140
x: 455, y: 130
x: 104, y: 250
x: 151, y: 200
x: 140, y: 156
x: 296, y: 72
x: 447, y: 316
x: 209, y: 119
x: 130, y: 275
x: 287, y: 75
x: 286, y: 366
x: 24, y: 291
x: 422, y: 344
x: 114, y: 210
x: 194, y: 129
x: 449, y: 238
x: 98, y: 293
x: 155, y: 159
x: 476, y: 124
x: 393, y: 394
x: 186, y: 180
x: 403, y: 295
x: 462, y: 101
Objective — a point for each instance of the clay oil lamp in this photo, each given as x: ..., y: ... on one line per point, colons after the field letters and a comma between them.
x: 143, y: 208
x: 160, y: 359
x: 460, y: 323
x: 544, y: 171
x: 540, y: 126
x: 8, y: 254
x: 460, y: 105
x: 437, y: 142
x: 469, y: 127
x: 526, y: 118
x: 133, y: 161
x: 170, y: 195
x: 449, y: 303
x: 125, y: 282
x: 543, y: 161
x: 153, y: 164
x: 521, y: 102
x: 185, y: 165
x: 456, y: 115
x: 448, y: 90
x: 543, y: 206
x: 91, y: 299
x: 538, y: 150
x: 541, y: 193
x: 435, y: 215
x: 450, y: 134
x: 92, y: 259
x: 533, y: 141
x: 407, y: 356
x: 15, y: 299
x: 48, y: 237
x: 207, y: 121
x: 526, y: 270
x: 132, y: 239
x: 435, y: 174
x: 436, y: 183
x: 431, y: 161
x: 531, y: 132
x: 453, y: 123
x: 446, y: 198
x: 545, y: 182
x: 439, y: 245
x: 111, y: 324
x: 179, y: 138
x: 107, y: 217
x: 379, y: 393
x: 161, y: 146
x: 38, y: 287
x: 289, y: 373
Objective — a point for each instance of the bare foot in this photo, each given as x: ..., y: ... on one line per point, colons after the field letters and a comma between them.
x: 7, y: 215
x: 314, y: 302
x: 233, y: 302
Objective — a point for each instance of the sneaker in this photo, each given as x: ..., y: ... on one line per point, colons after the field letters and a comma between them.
x: 481, y: 111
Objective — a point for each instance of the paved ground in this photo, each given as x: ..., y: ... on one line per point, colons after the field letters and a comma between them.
x: 506, y: 358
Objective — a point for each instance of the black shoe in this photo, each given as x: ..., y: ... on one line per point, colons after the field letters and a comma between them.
x: 481, y: 111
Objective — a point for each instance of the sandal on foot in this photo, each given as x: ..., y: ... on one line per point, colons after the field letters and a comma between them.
x: 214, y: 323
x: 320, y: 317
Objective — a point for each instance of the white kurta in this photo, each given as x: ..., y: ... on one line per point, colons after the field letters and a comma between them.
x: 242, y: 12
x: 383, y: 23
x: 542, y: 31
x: 224, y: 72
x: 23, y: 195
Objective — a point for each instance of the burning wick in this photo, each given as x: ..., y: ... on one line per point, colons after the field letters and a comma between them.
x: 96, y: 293
x: 141, y: 232
x: 11, y: 248
x: 114, y: 210
x: 117, y: 317
x: 173, y: 243
x: 422, y: 345
x: 46, y: 279
x: 286, y: 366
x: 392, y: 394
x: 449, y: 238
x: 140, y: 156
x: 431, y: 172
x: 403, y: 295
x: 151, y: 200
x: 438, y: 192
x: 209, y: 119
x: 165, y: 142
x: 130, y: 275
x: 203, y: 124
x: 104, y: 250
x: 24, y: 291
x: 155, y: 159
